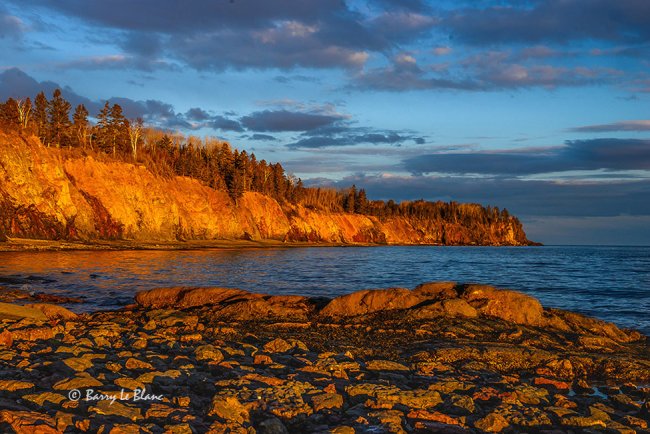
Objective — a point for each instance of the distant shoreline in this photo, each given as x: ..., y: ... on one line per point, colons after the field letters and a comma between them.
x: 34, y: 245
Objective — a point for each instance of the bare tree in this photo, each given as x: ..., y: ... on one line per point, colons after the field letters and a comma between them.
x: 135, y: 133
x: 24, y: 111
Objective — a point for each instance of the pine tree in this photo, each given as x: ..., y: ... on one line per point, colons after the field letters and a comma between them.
x: 40, y: 117
x: 59, y: 120
x: 80, y: 125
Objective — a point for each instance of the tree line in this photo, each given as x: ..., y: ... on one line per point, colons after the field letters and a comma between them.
x: 212, y: 161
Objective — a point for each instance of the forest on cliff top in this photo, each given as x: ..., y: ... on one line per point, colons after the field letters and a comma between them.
x: 111, y: 136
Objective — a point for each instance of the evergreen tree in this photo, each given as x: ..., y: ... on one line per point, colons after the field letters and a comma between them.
x: 40, y: 117
x: 80, y: 125
x: 59, y: 120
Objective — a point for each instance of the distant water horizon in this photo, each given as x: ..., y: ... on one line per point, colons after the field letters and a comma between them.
x: 608, y: 282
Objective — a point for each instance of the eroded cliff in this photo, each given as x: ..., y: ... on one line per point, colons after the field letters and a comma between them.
x: 47, y: 193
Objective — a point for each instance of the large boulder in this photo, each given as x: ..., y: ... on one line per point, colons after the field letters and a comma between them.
x: 504, y: 304
x: 36, y: 311
x: 183, y: 297
x: 436, y: 290
x: 370, y: 301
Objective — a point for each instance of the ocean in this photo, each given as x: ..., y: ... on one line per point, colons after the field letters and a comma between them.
x: 610, y: 283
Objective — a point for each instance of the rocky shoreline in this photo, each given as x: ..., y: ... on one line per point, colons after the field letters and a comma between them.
x: 442, y: 357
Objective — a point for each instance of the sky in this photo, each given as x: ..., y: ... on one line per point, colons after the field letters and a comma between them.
x: 538, y: 106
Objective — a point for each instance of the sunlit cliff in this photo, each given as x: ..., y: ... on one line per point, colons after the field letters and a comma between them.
x: 53, y: 194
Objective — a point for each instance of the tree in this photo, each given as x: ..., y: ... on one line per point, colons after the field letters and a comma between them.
x: 80, y: 125
x: 24, y: 111
x: 135, y: 135
x: 40, y: 117
x: 59, y: 119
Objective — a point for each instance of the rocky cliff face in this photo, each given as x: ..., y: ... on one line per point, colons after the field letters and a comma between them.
x: 45, y: 194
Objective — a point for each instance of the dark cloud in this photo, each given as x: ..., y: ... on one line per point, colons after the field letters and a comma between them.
x: 640, y: 125
x: 285, y: 120
x: 552, y: 20
x: 348, y: 136
x: 263, y: 137
x: 197, y: 114
x: 224, y: 124
x: 10, y: 25
x: 610, y: 154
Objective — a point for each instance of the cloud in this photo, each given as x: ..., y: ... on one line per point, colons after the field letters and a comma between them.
x: 207, y: 34
x: 552, y: 20
x: 285, y: 120
x: 10, y: 26
x: 523, y: 198
x: 263, y: 137
x: 224, y: 124
x: 640, y: 125
x: 349, y: 136
x: 117, y: 61
x: 609, y: 154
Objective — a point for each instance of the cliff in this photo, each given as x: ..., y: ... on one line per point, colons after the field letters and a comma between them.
x: 52, y: 194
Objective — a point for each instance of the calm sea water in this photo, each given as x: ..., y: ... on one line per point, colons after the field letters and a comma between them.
x: 612, y: 283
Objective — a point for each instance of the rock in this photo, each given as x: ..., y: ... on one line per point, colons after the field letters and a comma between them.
x: 132, y: 363
x: 493, y: 422
x: 279, y: 345
x: 507, y: 305
x: 6, y: 338
x: 52, y: 311
x: 385, y: 365
x: 183, y: 297
x: 78, y: 364
x: 24, y: 422
x: 110, y: 408
x: 14, y: 311
x: 451, y: 307
x: 326, y: 401
x: 272, y: 426
x: 83, y: 380
x: 229, y: 408
x: 209, y: 353
x: 283, y: 307
x: 42, y: 398
x: 13, y: 385
x: 370, y: 301
x: 436, y: 290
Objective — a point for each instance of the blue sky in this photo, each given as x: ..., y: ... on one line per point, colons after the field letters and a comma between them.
x: 540, y: 106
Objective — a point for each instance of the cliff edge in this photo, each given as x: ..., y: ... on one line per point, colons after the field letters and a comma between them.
x: 54, y: 194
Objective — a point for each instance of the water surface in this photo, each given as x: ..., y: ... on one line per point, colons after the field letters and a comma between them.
x: 611, y: 283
